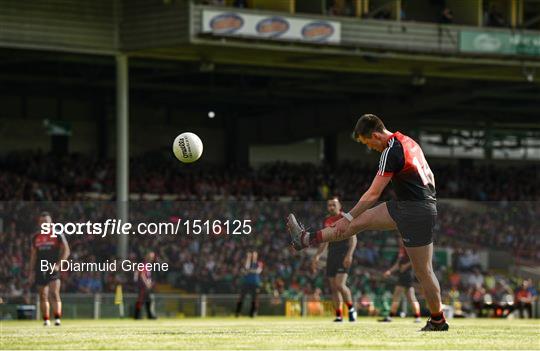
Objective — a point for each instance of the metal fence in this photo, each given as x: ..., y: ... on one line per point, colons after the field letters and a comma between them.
x: 96, y: 306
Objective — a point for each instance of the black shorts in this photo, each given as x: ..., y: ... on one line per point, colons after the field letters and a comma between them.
x: 44, y: 278
x: 415, y: 221
x: 334, y: 264
x: 406, y: 279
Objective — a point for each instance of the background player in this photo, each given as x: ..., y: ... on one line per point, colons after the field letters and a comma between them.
x: 251, y: 283
x: 45, y: 247
x: 339, y: 260
x: 404, y: 284
x: 413, y: 214
x: 145, y: 284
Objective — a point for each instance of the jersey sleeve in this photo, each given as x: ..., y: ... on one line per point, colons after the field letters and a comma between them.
x: 391, y: 161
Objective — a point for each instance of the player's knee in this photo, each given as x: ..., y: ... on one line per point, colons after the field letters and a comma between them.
x: 343, y: 288
x: 361, y: 223
x: 55, y: 296
x: 364, y: 221
x: 424, y: 273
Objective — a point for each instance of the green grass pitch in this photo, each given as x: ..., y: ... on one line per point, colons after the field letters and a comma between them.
x: 268, y: 333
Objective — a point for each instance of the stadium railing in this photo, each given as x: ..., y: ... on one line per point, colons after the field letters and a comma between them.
x: 105, y: 305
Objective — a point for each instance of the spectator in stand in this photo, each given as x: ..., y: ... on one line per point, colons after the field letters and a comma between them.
x: 502, y: 301
x: 465, y: 261
x: 447, y: 16
x: 524, y: 300
x: 475, y: 278
x: 341, y: 8
x: 478, y: 297
x: 204, y: 265
x: 494, y: 18
x: 489, y: 281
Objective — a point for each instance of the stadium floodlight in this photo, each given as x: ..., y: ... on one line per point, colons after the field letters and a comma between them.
x: 529, y: 74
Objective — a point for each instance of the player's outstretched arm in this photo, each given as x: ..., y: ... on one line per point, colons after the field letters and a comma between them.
x: 371, y: 196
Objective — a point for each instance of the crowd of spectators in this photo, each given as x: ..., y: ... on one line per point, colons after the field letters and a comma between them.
x: 211, y: 263
x: 35, y: 176
x: 474, y: 292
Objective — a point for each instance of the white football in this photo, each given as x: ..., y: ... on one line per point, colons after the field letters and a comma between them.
x: 188, y: 147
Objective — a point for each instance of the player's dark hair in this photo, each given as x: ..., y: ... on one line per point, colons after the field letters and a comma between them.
x: 334, y: 197
x: 366, y: 125
x: 45, y: 214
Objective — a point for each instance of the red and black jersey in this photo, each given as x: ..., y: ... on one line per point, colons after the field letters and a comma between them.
x: 404, y: 161
x: 335, y: 247
x: 47, y: 247
x: 139, y: 277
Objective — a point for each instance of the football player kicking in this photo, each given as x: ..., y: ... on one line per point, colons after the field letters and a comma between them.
x: 340, y: 256
x: 413, y: 214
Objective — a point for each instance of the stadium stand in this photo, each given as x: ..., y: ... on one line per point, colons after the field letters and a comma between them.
x: 209, y: 265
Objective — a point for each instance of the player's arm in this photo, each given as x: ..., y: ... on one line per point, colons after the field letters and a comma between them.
x: 371, y: 196
x: 64, y: 250
x: 320, y: 250
x: 347, y: 261
x: 247, y: 263
x: 259, y: 268
x: 406, y: 266
x: 392, y: 161
x: 392, y: 269
x: 315, y: 260
x: 147, y: 282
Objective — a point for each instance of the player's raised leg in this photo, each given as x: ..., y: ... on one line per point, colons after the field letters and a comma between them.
x: 421, y: 259
x: 376, y: 218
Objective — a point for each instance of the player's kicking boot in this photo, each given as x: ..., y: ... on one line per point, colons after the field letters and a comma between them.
x: 299, y: 236
x: 57, y: 322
